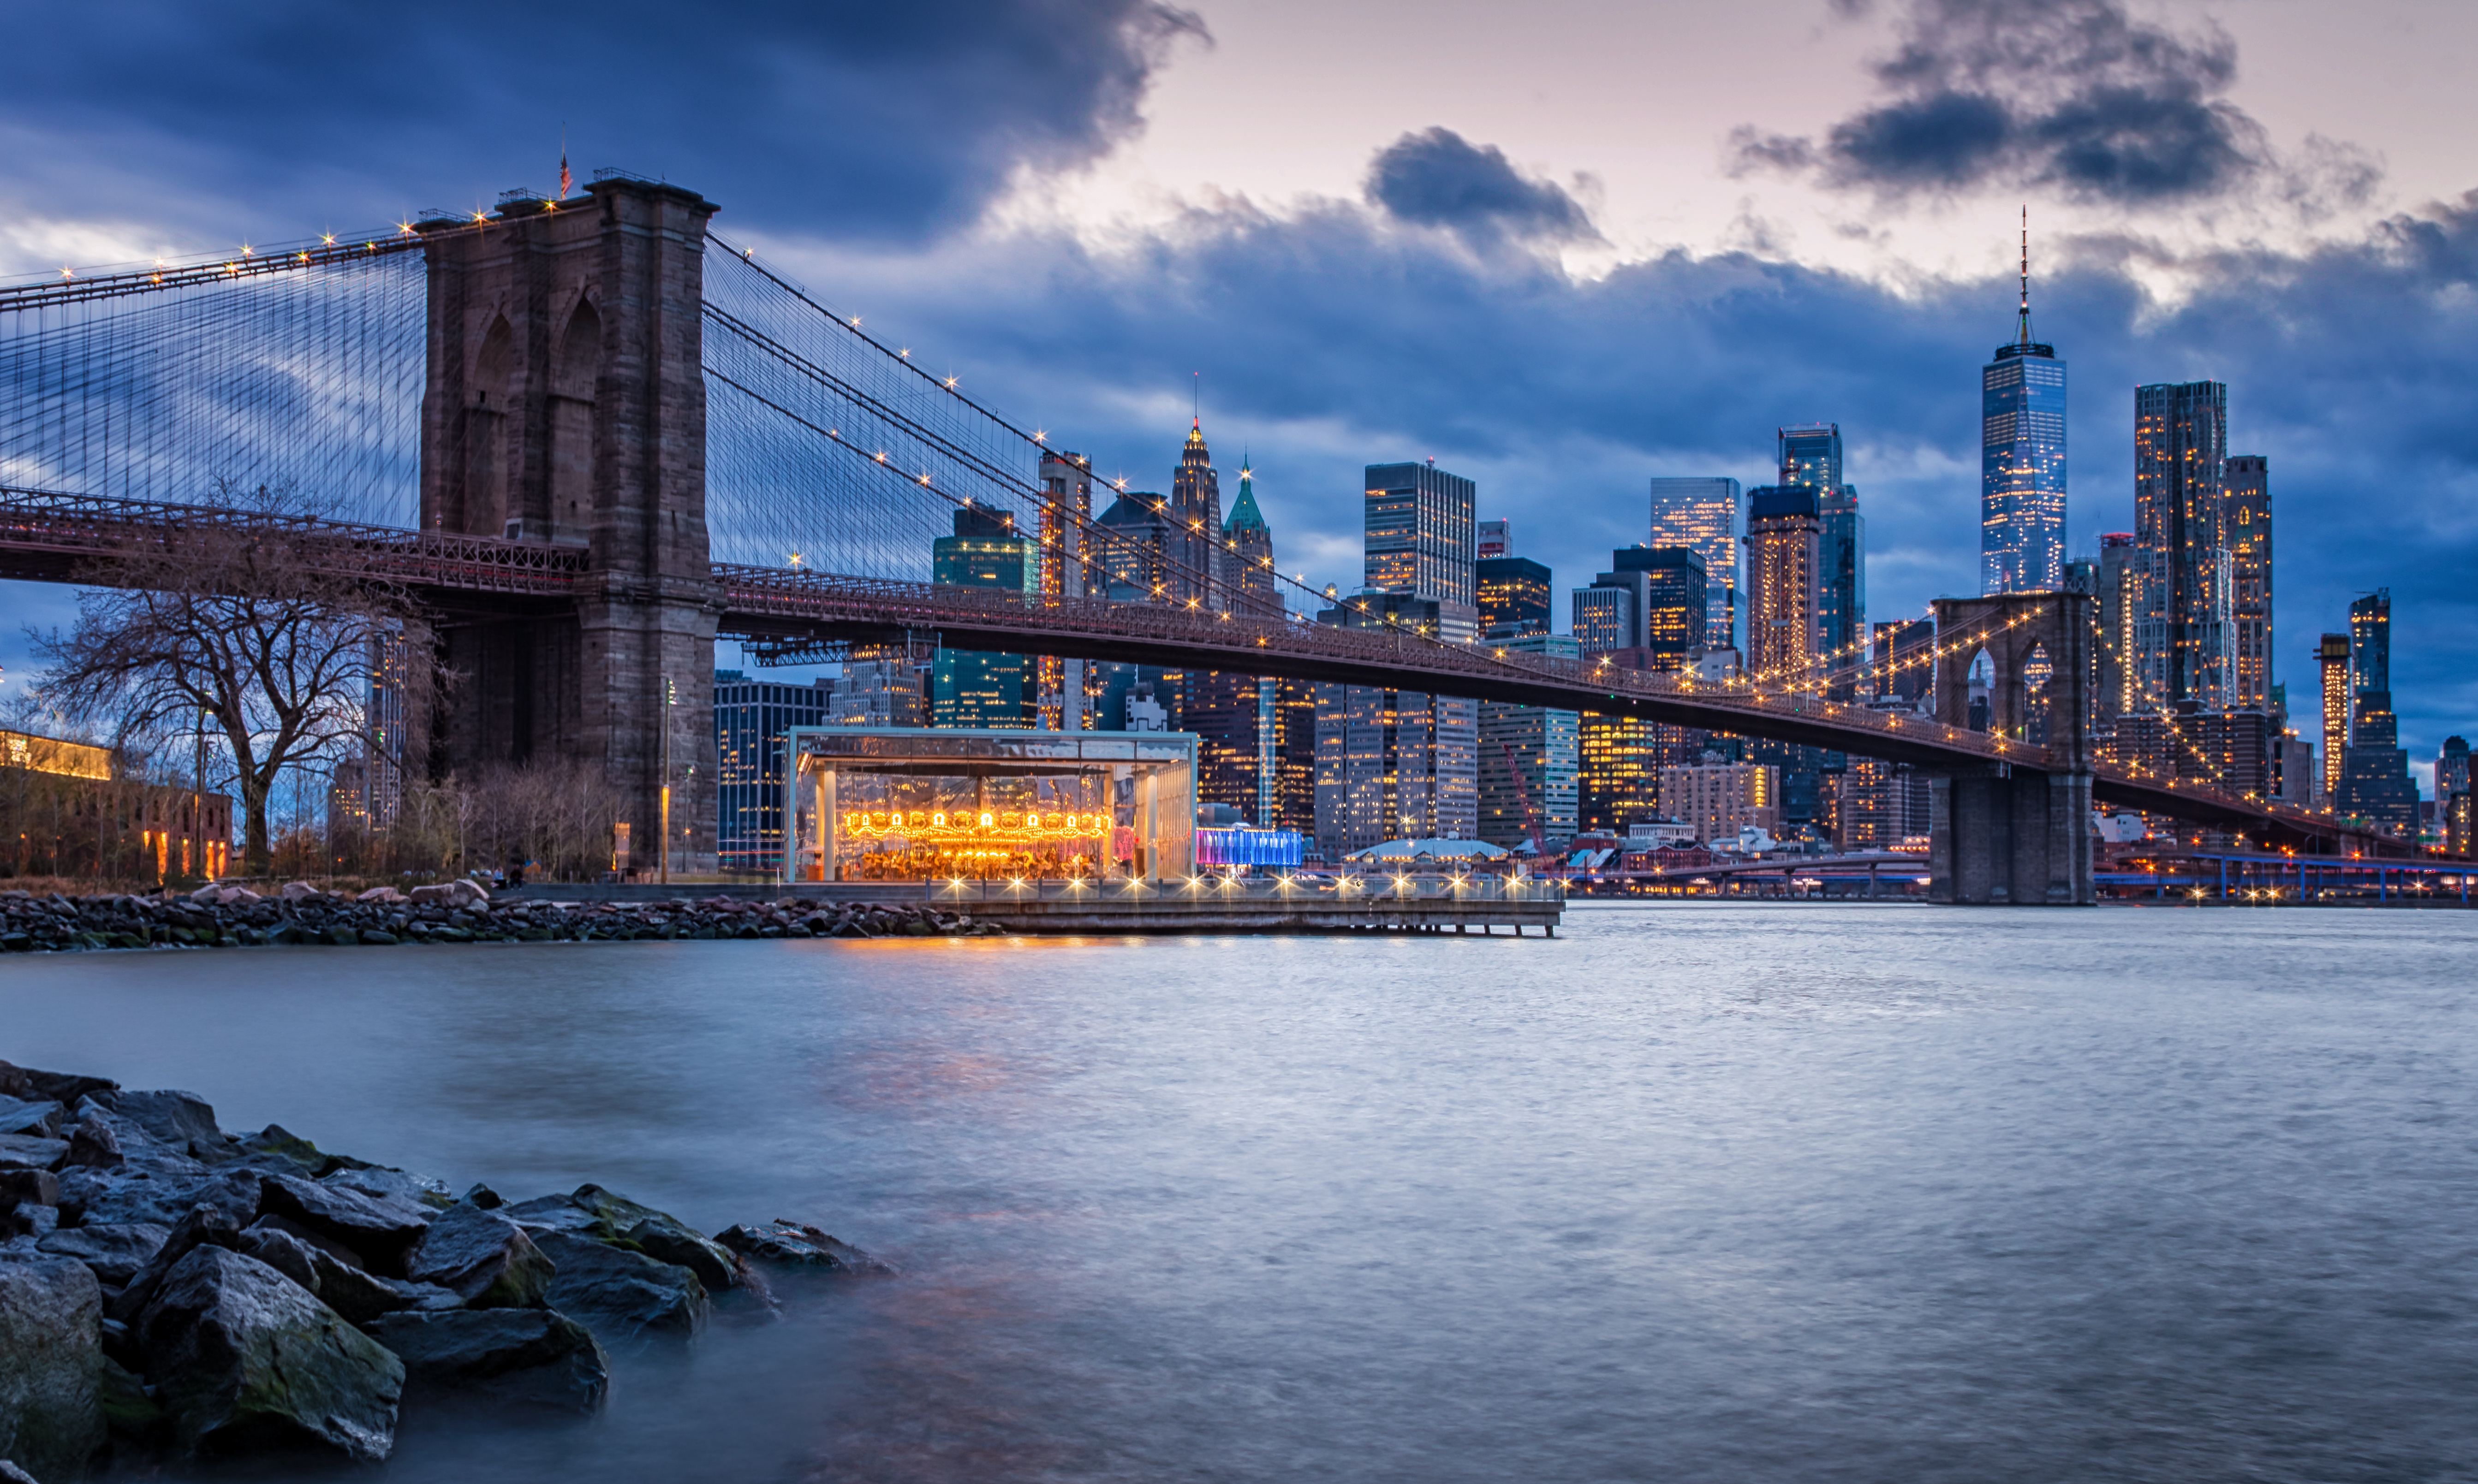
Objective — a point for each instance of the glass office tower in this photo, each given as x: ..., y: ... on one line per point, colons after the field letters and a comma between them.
x: 1706, y: 515
x: 2022, y: 462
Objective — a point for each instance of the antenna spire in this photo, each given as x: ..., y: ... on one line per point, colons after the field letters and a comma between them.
x: 2023, y: 330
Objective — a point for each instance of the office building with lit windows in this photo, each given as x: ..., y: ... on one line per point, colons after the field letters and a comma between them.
x: 1528, y: 757
x: 1653, y: 600
x: 2375, y: 785
x: 2183, y: 633
x: 1396, y: 764
x: 2022, y: 462
x: 1514, y: 595
x: 1785, y: 594
x: 1419, y: 524
x: 1706, y: 515
x: 1716, y: 800
x: 2247, y: 504
x: 753, y: 720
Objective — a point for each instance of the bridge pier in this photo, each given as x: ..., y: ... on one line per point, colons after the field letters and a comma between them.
x: 564, y: 406
x: 2002, y: 833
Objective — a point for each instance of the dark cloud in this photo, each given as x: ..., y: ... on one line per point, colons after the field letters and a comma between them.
x: 1328, y: 341
x: 1436, y: 178
x: 2075, y: 94
x: 872, y: 119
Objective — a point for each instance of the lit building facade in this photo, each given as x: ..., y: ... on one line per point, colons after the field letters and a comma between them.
x: 1199, y: 575
x: 2375, y: 785
x: 1706, y: 515
x: 881, y: 687
x: 2247, y: 481
x: 753, y: 718
x: 1716, y: 800
x: 2022, y: 462
x: 2117, y: 680
x: 877, y: 805
x: 1255, y: 745
x: 1654, y: 601
x: 1419, y: 525
x: 2183, y: 636
x: 66, y: 810
x: 1514, y: 595
x: 1496, y: 540
x: 1529, y: 759
x: 1785, y: 615
x: 2332, y: 663
x: 1248, y: 552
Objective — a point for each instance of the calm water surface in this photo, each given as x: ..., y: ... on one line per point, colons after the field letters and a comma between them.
x: 1692, y: 1193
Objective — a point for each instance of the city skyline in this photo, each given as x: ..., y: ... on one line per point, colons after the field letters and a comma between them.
x: 1664, y: 350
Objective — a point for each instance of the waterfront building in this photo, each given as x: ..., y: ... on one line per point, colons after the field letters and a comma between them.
x: 1785, y: 615
x: 1064, y: 685
x: 1871, y: 806
x: 1706, y: 515
x: 1418, y: 521
x: 2022, y: 460
x: 872, y: 804
x: 1392, y: 763
x: 971, y: 688
x: 1529, y: 759
x: 1496, y: 540
x: 2294, y: 777
x: 751, y: 720
x: 1514, y: 595
x: 2183, y: 633
x: 2452, y: 767
x: 1716, y: 800
x: 69, y: 809
x: 2247, y: 481
x: 2117, y: 686
x: 2461, y: 823
x: 1618, y: 762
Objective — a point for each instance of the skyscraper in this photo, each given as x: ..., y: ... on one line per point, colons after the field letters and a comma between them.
x: 1066, y: 507
x: 2248, y: 483
x: 1811, y: 460
x: 1395, y: 764
x: 1496, y: 540
x: 1704, y: 516
x: 2117, y: 688
x: 751, y: 718
x: 1248, y: 551
x: 1785, y: 619
x: 2022, y: 458
x: 972, y: 688
x: 1419, y: 522
x: 2332, y: 662
x: 2374, y: 776
x: 1200, y: 572
x: 2182, y: 639
x: 1528, y: 761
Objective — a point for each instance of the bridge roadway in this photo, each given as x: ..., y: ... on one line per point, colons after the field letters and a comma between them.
x: 51, y: 537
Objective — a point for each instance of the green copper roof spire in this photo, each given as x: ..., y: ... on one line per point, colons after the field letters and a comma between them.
x: 1244, y: 513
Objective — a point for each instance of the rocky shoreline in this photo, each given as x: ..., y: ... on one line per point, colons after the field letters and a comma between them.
x: 168, y: 1290
x: 216, y: 917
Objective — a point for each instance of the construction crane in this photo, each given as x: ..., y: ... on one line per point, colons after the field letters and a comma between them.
x: 1531, y: 816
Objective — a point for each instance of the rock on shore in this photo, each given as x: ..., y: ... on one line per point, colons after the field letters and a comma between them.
x: 166, y: 1285
x: 458, y: 912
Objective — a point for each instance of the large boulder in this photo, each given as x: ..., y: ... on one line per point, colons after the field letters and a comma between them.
x: 484, y: 1258
x: 243, y: 1357
x: 619, y: 1294
x: 781, y: 1241
x: 64, y: 1088
x: 40, y: 1117
x: 383, y: 1183
x: 338, y: 1284
x: 117, y: 1250
x: 51, y: 1364
x: 591, y: 1211
x: 32, y: 1151
x: 380, y: 1228
x: 531, y: 1357
x: 203, y: 1226
x: 181, y: 1121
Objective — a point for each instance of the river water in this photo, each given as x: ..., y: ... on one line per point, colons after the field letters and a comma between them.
x: 1697, y: 1192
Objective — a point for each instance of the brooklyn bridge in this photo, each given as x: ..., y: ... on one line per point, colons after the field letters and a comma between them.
x: 592, y: 436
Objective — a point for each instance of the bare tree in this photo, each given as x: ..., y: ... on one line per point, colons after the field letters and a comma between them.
x: 241, y: 623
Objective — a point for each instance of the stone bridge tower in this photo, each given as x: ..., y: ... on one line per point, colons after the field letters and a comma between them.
x: 564, y: 405
x: 2004, y: 832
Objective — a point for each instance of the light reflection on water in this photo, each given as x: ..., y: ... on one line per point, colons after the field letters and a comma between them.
x: 1691, y: 1193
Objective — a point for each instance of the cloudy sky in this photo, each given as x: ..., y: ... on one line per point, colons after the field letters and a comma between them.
x: 1561, y: 246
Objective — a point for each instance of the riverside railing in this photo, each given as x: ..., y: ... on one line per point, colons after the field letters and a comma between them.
x: 1371, y: 889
